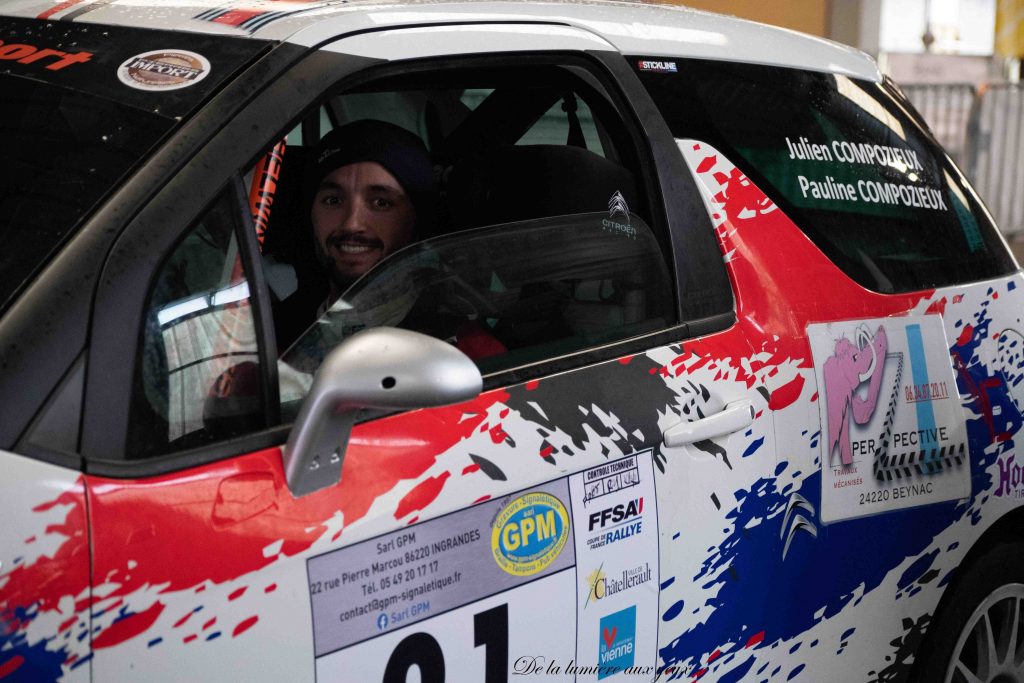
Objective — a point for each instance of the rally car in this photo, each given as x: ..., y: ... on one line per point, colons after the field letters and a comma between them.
x: 709, y: 368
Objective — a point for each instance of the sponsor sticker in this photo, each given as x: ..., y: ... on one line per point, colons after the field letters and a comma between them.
x: 655, y: 65
x: 378, y: 587
x: 600, y: 585
x: 529, y: 533
x: 614, y: 508
x: 616, y: 522
x: 53, y: 60
x: 893, y: 432
x: 616, y: 642
x: 162, y: 70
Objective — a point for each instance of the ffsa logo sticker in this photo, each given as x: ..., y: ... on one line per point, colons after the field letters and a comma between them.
x: 616, y: 523
x: 161, y: 70
x: 529, y: 534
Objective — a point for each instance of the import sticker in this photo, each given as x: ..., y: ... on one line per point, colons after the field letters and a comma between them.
x: 893, y: 432
x: 160, y: 70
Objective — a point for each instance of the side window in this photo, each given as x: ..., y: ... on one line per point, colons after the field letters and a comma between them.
x: 502, y: 209
x: 197, y: 375
x: 846, y: 161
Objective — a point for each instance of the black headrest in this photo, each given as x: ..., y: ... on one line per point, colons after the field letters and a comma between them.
x: 507, y: 184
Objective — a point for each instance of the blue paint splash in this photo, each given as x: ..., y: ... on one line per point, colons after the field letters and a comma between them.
x: 758, y: 591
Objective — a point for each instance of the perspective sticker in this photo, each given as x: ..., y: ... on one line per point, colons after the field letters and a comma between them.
x: 529, y: 533
x: 163, y: 70
x: 893, y: 432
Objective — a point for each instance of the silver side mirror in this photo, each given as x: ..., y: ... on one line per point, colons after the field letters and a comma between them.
x: 382, y: 367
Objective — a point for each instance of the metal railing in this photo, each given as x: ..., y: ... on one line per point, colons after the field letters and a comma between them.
x: 983, y: 131
x: 997, y: 163
x: 948, y: 109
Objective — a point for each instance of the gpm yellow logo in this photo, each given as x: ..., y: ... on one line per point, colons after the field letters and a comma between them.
x: 529, y: 534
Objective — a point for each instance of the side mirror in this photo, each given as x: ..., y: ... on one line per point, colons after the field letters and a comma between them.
x: 382, y: 367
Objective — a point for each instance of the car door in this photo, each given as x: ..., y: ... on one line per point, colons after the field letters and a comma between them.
x: 533, y: 528
x: 883, y: 278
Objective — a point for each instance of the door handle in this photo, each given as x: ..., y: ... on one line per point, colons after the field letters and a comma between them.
x: 734, y: 417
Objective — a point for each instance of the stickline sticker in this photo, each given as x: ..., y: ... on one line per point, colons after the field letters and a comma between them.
x: 163, y: 70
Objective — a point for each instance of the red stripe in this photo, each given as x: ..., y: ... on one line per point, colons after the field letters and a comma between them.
x: 11, y: 665
x: 59, y: 8
x: 237, y: 17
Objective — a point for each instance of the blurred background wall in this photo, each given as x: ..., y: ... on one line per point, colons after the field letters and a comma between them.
x: 957, y: 60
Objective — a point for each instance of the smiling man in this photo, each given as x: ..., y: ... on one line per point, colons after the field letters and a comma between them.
x: 370, y: 191
x: 374, y: 192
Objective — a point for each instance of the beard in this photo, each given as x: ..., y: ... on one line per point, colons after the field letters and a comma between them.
x: 341, y: 278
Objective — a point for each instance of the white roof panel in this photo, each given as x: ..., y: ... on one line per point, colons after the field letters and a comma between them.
x: 632, y: 27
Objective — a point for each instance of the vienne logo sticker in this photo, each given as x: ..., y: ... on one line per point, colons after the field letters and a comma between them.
x: 615, y: 649
x: 162, y: 70
x: 529, y: 533
x: 617, y: 206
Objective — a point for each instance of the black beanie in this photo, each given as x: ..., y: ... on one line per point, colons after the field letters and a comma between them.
x: 400, y: 152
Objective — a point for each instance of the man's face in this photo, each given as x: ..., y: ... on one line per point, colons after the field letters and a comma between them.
x: 360, y: 215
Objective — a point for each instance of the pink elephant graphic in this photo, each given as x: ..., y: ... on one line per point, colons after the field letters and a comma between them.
x: 849, y: 367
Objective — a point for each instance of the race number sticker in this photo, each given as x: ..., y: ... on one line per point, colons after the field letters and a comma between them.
x: 497, y: 590
x: 893, y: 432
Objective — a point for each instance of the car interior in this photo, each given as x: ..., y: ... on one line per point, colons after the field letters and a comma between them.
x: 543, y: 240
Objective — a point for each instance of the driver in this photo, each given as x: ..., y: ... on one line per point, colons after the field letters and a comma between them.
x: 370, y: 190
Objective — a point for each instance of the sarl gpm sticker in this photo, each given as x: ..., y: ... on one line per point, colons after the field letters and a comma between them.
x: 894, y: 433
x: 162, y: 70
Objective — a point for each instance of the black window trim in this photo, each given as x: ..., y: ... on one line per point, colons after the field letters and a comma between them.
x: 61, y: 296
x: 181, y: 192
x: 141, y: 247
x: 259, y: 295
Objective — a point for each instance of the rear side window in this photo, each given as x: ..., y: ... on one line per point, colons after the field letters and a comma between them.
x: 847, y: 161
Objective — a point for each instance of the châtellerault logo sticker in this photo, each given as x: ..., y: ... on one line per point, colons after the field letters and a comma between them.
x: 163, y: 70
x: 529, y: 533
x: 600, y: 586
x: 616, y: 642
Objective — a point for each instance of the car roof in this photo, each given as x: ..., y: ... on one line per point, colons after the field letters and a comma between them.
x: 632, y: 27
